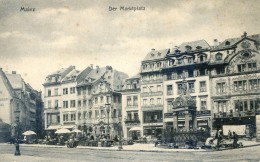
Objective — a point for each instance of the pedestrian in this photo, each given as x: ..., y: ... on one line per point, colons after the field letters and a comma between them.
x: 229, y: 135
x: 235, y: 139
x: 219, y: 137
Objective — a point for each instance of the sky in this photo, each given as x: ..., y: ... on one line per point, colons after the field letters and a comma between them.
x: 83, y: 32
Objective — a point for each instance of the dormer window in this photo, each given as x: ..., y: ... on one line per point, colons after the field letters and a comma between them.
x: 188, y: 48
x: 227, y: 43
x: 159, y: 54
x: 218, y: 56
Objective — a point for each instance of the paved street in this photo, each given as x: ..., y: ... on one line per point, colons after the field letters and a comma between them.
x: 31, y: 154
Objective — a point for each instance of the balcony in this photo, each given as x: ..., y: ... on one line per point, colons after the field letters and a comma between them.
x: 132, y: 107
x: 151, y: 81
x: 234, y: 114
x: 152, y: 107
x: 52, y: 110
x: 153, y: 121
x: 147, y: 94
x: 132, y: 121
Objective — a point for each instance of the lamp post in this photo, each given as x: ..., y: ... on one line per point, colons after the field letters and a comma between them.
x: 17, y: 127
x: 108, y: 110
x: 119, y: 133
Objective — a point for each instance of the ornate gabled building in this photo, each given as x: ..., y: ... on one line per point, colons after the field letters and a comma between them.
x: 235, y: 82
x: 100, y: 102
x: 131, y: 108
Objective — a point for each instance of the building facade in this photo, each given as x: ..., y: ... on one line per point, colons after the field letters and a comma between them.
x: 131, y: 108
x: 20, y: 106
x: 235, y: 83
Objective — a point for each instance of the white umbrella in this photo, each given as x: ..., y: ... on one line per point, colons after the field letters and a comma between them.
x: 29, y: 132
x: 135, y: 129
x: 76, y: 131
x: 62, y: 130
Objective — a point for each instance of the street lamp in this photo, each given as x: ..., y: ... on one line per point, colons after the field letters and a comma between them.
x: 119, y: 133
x: 108, y: 110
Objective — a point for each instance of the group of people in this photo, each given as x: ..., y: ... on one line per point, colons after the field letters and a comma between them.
x: 219, y: 137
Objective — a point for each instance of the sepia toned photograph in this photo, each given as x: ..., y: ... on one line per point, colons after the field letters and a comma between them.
x: 129, y: 80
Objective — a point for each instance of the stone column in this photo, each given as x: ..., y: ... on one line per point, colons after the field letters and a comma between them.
x: 187, y: 121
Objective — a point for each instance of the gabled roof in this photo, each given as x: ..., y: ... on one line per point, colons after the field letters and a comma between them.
x: 15, y: 80
x: 156, y: 54
x: 194, y: 46
x: 7, y: 84
x: 230, y: 42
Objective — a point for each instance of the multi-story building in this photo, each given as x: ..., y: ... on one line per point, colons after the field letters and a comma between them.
x: 234, y: 74
x: 151, y: 95
x: 187, y: 62
x: 84, y: 100
x: 19, y: 105
x: 131, y: 108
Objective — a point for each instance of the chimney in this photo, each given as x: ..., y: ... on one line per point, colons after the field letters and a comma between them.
x: 13, y: 72
x: 215, y: 43
x: 91, y: 66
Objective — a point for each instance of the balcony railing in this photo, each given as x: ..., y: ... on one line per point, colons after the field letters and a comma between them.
x: 132, y: 121
x: 234, y: 114
x: 153, y: 121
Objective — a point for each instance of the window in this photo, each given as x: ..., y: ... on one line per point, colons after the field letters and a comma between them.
x: 227, y: 43
x: 129, y: 116
x: 73, y: 117
x: 96, y: 113
x: 221, y: 87
x: 56, y: 91
x: 65, y: 104
x: 144, y: 101
x: 56, y: 104
x: 241, y: 67
x: 129, y: 100
x: 169, y: 105
x: 240, y: 85
x: 72, y: 90
x: 79, y: 91
x: 190, y: 60
x: 191, y: 87
x: 158, y: 64
x: 220, y: 70
x: 152, y: 89
x: 169, y: 90
x: 72, y: 103
x: 84, y: 103
x: 179, y: 88
x: 203, y: 86
x: 159, y: 101
x: 179, y: 61
x: 203, y: 103
x: 151, y: 101
x: 179, y: 74
x: 135, y: 100
x: 79, y: 103
x: 159, y: 88
x: 96, y: 100
x: 101, y: 99
x: 114, y: 113
x: 202, y: 72
x: 169, y: 76
x: 136, y: 118
x: 49, y: 104
x: 252, y: 66
x: 49, y: 93
x: 90, y: 114
x: 254, y: 84
x: 65, y: 91
x: 89, y: 102
x: 65, y: 117
x: 190, y: 73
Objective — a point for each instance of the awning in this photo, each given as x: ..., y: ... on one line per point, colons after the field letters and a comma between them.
x: 53, y: 127
x: 68, y: 126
